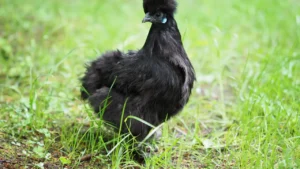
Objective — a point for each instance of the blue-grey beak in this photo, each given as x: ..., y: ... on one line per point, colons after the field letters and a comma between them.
x: 147, y: 18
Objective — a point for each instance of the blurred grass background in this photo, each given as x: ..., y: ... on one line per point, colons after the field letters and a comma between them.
x: 244, y: 112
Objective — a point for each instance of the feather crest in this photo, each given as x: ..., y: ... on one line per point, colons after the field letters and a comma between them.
x: 168, y: 6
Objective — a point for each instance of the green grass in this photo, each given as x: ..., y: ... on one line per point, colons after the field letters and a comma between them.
x: 245, y: 107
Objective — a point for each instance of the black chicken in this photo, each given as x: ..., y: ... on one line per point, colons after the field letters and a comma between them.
x: 153, y: 83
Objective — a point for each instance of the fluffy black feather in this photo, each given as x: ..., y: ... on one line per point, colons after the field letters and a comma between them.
x: 153, y: 83
x: 167, y: 6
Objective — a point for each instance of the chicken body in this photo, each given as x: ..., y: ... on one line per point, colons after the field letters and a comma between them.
x: 152, y: 84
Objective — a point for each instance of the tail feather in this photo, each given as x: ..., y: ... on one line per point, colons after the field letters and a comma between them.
x: 98, y: 73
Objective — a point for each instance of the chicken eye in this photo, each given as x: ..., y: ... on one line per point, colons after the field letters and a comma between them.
x: 158, y: 14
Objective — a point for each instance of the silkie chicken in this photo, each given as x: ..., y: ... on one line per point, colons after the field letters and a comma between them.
x: 152, y: 84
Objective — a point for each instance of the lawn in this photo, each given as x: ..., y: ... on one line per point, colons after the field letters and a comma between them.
x: 245, y: 107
